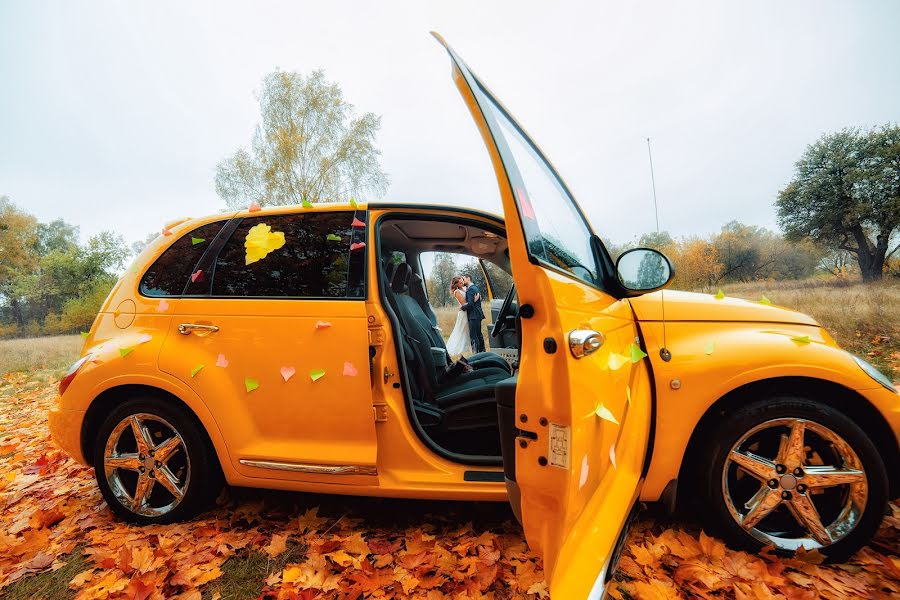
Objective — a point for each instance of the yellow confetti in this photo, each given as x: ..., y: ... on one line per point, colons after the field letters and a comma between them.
x: 801, y: 340
x: 766, y: 301
x: 710, y: 348
x: 719, y: 295
x: 635, y: 353
x: 260, y: 241
x: 317, y: 374
x: 196, y: 369
x: 250, y: 384
x: 604, y: 413
x: 123, y: 352
x: 306, y: 204
x: 616, y: 361
x: 84, y: 334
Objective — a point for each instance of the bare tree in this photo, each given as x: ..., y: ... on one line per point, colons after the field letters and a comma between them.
x: 309, y: 147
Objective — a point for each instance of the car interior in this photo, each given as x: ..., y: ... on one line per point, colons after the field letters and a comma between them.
x: 454, y: 410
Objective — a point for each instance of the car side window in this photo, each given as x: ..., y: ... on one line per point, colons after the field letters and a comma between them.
x: 323, y: 256
x: 170, y: 273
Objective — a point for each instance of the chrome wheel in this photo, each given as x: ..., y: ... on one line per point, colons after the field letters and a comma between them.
x: 146, y: 464
x: 794, y: 483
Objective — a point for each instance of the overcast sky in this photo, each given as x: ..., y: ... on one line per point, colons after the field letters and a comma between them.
x: 113, y: 115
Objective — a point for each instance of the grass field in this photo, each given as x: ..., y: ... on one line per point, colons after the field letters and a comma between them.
x: 43, y: 353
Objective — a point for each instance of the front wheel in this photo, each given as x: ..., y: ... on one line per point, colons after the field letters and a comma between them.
x: 791, y: 472
x: 153, y: 464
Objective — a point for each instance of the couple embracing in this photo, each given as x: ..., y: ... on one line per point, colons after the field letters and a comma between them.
x: 466, y: 336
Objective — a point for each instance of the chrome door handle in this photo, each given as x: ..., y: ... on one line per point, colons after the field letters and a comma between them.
x: 585, y: 341
x: 188, y: 328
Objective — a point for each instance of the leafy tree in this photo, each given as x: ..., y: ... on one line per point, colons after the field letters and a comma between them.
x: 310, y: 146
x: 18, y: 238
x: 845, y: 195
x: 442, y: 271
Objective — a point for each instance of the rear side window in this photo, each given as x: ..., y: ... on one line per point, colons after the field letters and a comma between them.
x: 170, y: 273
x: 323, y: 256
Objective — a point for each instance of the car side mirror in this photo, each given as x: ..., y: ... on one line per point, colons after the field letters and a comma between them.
x: 644, y: 270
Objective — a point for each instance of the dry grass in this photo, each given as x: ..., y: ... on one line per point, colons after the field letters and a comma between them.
x: 42, y: 353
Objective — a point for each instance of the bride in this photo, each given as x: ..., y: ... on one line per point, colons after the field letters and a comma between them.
x: 459, y: 343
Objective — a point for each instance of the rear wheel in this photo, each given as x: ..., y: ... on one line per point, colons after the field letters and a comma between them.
x: 153, y: 463
x: 791, y: 472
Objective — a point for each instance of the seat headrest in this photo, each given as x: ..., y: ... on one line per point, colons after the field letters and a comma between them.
x: 400, y: 281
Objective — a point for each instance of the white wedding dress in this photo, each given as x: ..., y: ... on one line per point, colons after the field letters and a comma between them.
x: 458, y: 342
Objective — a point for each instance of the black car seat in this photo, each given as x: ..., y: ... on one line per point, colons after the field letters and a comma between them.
x: 400, y: 285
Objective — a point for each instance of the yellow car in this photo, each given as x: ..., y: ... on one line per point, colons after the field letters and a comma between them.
x: 295, y: 348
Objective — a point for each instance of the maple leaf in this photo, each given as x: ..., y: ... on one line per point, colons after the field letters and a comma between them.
x: 277, y: 545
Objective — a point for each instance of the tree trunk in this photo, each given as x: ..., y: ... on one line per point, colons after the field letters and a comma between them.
x: 867, y: 256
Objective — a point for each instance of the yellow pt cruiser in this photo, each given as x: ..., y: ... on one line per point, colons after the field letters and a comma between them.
x: 296, y: 348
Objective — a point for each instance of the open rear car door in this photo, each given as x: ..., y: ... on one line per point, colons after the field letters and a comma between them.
x: 583, y: 399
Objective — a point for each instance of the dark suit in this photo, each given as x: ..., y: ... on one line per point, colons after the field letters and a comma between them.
x: 476, y: 316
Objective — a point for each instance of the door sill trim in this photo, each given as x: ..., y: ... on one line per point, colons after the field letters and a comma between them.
x: 315, y: 469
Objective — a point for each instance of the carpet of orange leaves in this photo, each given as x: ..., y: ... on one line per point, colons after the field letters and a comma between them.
x: 353, y: 548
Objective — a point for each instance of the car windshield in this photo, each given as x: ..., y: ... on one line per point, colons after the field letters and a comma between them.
x: 555, y: 231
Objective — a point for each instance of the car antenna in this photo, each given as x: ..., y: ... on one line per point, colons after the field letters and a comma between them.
x: 664, y: 351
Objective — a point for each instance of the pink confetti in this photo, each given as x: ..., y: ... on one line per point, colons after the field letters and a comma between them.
x: 288, y: 372
x: 221, y: 361
x: 322, y: 324
x: 163, y: 306
x: 357, y: 223
x: 254, y: 207
x: 197, y: 275
x: 350, y: 370
x: 165, y: 231
x: 525, y: 204
x: 146, y: 337
x: 357, y: 246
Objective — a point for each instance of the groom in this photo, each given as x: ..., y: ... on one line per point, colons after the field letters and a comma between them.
x: 475, y: 314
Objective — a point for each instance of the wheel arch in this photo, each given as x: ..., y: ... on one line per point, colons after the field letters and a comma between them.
x: 109, y: 398
x: 835, y: 395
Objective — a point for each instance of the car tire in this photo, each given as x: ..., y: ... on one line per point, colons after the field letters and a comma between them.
x: 850, y: 512
x: 190, y: 465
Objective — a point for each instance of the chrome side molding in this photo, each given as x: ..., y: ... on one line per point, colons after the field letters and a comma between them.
x: 314, y: 469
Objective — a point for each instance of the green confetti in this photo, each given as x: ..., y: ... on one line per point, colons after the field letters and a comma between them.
x: 84, y: 334
x: 636, y: 353
x: 800, y: 340
x: 317, y: 374
x: 123, y: 352
x: 306, y: 203
x: 250, y: 384
x: 353, y: 204
x: 615, y: 361
x: 196, y: 369
x: 397, y: 259
x: 332, y: 237
x: 765, y: 301
x: 710, y: 348
x: 195, y: 241
x: 604, y: 413
x: 720, y: 295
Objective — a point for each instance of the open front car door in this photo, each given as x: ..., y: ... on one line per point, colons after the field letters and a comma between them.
x: 583, y: 399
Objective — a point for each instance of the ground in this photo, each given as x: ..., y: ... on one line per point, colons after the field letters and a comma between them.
x: 59, y: 540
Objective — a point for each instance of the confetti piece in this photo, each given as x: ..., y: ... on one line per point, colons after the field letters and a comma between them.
x: 96, y: 361
x: 306, y: 204
x: 605, y: 414
x: 317, y: 374
x: 250, y: 384
x: 636, y: 353
x: 357, y: 223
x: 357, y: 246
x: 766, y: 301
x: 163, y: 306
x: 800, y: 340
x: 196, y: 369
x: 616, y: 361
x: 584, y: 472
x: 525, y: 204
x: 287, y: 372
x: 221, y: 361
x: 612, y: 455
x: 165, y: 231
x: 261, y: 241
x: 322, y: 324
x: 350, y: 370
x: 145, y: 337
x: 719, y: 295
x: 254, y: 207
x: 353, y: 203
x: 84, y: 334
x: 197, y: 276
x: 123, y: 352
x: 195, y: 241
x: 331, y: 237
x: 709, y: 348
